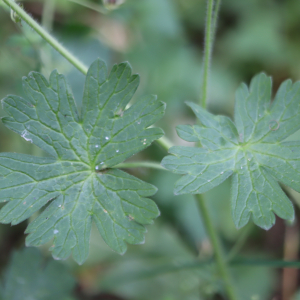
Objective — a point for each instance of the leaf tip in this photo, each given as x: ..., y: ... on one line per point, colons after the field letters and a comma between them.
x: 135, y: 77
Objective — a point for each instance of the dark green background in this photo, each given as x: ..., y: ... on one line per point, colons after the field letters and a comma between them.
x: 163, y: 41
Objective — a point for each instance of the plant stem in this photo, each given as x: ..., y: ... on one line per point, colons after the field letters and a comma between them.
x: 211, y: 22
x: 219, y: 257
x: 47, y: 22
x: 140, y: 164
x: 215, y: 20
x: 48, y: 14
x: 207, y: 51
x: 239, y: 243
x: 46, y: 36
x: 197, y: 265
x: 164, y: 142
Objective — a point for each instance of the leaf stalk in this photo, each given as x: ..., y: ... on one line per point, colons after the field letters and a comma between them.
x: 140, y: 164
x: 46, y: 36
x: 219, y: 257
x: 211, y: 23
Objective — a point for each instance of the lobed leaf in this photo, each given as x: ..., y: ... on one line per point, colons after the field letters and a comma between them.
x: 252, y: 150
x: 76, y: 185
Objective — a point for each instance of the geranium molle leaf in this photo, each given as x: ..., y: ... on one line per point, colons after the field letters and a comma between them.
x: 252, y: 150
x: 76, y: 183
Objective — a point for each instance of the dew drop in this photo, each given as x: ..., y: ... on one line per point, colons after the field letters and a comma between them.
x: 208, y: 180
x: 96, y: 167
x: 107, y: 138
x: 23, y: 135
x: 55, y: 231
x: 59, y: 205
x: 241, y: 167
x: 117, y: 151
x: 97, y: 146
x: 101, y: 163
x: 222, y: 173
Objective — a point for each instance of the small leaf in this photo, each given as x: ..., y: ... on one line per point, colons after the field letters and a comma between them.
x: 252, y: 150
x: 28, y: 277
x: 76, y: 183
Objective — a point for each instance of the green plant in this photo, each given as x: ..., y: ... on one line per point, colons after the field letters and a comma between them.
x: 251, y: 150
x: 28, y: 276
x: 81, y: 183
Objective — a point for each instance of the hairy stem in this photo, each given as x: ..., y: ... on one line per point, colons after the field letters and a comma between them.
x: 165, y: 143
x: 47, y: 22
x: 219, y: 257
x: 48, y: 14
x: 140, y: 164
x: 211, y: 23
x: 46, y: 36
x: 215, y: 19
x: 168, y: 268
x: 209, y: 32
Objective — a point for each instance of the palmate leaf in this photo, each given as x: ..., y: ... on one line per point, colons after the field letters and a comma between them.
x: 77, y: 182
x: 252, y: 151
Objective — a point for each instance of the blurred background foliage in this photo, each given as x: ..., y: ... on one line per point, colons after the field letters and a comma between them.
x: 163, y: 41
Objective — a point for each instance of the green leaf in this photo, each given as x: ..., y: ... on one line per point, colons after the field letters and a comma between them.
x: 28, y: 277
x: 77, y: 184
x: 252, y: 150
